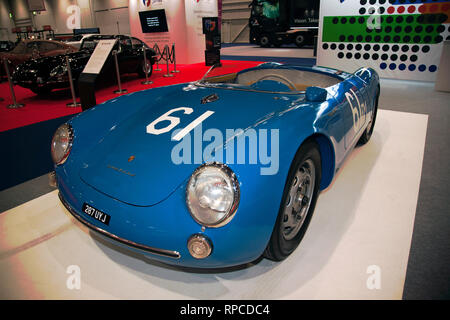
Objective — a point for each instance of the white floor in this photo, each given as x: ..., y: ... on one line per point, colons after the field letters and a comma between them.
x: 362, y: 223
x: 285, y: 52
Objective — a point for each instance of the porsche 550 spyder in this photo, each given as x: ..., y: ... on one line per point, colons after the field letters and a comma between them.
x: 124, y: 168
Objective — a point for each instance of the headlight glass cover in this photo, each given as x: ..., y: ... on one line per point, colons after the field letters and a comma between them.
x: 62, y: 143
x: 58, y: 71
x: 212, y: 194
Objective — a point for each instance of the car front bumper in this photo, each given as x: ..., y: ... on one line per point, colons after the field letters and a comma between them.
x: 161, y: 252
x: 161, y: 232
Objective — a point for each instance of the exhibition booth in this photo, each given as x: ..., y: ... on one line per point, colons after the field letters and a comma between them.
x: 342, y: 99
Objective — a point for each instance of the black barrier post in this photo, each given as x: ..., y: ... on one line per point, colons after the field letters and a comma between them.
x: 166, y: 50
x: 14, y: 105
x: 174, y: 60
x: 72, y: 89
x: 158, y: 52
x: 120, y: 90
x: 315, y: 47
x: 146, y: 67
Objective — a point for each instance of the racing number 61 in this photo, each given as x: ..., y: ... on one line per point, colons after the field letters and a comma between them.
x: 174, y: 121
x: 356, y: 109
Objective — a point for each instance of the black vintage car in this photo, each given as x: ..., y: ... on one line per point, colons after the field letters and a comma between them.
x: 44, y: 74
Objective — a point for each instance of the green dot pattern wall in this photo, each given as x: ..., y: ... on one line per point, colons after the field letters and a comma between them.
x: 401, y: 39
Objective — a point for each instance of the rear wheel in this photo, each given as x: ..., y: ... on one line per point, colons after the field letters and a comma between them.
x: 369, y: 129
x: 145, y: 68
x: 298, y: 202
x: 264, y: 41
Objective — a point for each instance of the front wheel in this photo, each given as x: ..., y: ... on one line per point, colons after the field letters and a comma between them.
x: 369, y: 129
x: 298, y: 202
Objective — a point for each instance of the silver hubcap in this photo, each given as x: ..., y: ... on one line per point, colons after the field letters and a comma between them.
x: 264, y: 40
x: 146, y: 67
x: 299, y: 199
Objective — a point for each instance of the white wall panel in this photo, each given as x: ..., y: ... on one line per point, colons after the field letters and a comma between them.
x: 399, y: 39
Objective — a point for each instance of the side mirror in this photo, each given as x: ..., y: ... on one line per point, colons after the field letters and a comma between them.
x: 316, y: 94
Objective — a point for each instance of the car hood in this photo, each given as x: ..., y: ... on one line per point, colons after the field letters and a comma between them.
x: 43, y: 66
x: 139, y: 168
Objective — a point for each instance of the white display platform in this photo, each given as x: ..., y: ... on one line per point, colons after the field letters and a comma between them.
x: 365, y: 218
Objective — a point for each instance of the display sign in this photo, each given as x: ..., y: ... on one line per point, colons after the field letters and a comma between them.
x: 153, y: 21
x: 99, y: 56
x: 212, y: 57
x: 86, y: 31
x: 36, y: 5
x: 304, y: 13
x: 213, y: 41
x: 210, y: 25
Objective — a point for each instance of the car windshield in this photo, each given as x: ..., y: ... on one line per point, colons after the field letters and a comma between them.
x: 20, y: 48
x: 89, y: 44
x: 268, y: 78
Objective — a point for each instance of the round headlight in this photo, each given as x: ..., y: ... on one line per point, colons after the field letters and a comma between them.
x: 62, y: 143
x: 212, y: 195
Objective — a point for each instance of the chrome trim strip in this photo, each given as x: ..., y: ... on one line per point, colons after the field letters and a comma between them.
x: 161, y: 252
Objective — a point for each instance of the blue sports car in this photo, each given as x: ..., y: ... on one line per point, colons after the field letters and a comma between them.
x: 217, y: 172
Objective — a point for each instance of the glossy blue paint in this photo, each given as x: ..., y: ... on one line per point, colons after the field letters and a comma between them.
x: 316, y: 94
x: 146, y: 200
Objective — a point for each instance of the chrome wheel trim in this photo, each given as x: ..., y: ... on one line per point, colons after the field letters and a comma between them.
x: 369, y: 126
x: 299, y: 199
x: 148, y: 67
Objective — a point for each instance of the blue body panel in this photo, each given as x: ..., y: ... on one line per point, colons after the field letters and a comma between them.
x: 147, y: 204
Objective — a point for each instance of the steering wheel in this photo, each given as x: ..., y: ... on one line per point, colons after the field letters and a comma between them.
x: 286, y: 81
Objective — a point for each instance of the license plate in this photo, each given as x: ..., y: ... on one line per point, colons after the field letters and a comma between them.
x: 96, y: 214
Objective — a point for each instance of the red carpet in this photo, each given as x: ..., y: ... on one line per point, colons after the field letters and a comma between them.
x: 39, y: 109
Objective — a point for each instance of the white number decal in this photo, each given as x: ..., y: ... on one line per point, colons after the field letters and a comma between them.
x: 358, y: 111
x: 174, y: 121
x: 192, y: 125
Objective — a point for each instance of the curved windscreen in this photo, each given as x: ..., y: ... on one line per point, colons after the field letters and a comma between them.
x: 276, y: 79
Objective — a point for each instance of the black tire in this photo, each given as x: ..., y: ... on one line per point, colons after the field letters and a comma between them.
x: 141, y: 68
x: 41, y: 91
x: 264, y: 41
x: 367, y: 134
x: 280, y: 246
x: 300, y: 40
